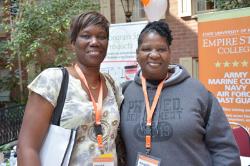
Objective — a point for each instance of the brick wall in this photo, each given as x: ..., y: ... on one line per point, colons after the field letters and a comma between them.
x: 184, y: 31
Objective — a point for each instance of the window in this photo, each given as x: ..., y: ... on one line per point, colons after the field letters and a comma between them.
x: 192, y: 7
x: 138, y: 11
x: 184, y: 8
x: 4, y: 92
x: 1, y: 15
x: 205, y: 5
x: 1, y: 11
x: 191, y: 65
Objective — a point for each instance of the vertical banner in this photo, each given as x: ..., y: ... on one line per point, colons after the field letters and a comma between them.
x: 224, y: 55
x: 120, y: 61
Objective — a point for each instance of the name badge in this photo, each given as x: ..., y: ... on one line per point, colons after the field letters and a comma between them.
x: 104, y: 160
x: 146, y: 160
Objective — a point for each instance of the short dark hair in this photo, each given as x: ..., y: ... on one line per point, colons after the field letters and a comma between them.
x: 84, y: 20
x: 160, y: 27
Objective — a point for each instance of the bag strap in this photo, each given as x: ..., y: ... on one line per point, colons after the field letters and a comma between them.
x: 61, y: 98
x: 210, y: 99
x: 112, y: 83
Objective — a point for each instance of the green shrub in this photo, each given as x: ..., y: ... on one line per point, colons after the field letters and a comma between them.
x: 39, y: 35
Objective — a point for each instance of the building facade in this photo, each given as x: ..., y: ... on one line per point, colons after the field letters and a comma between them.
x: 181, y: 15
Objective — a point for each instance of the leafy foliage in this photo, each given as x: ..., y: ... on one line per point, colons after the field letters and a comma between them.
x: 232, y: 4
x: 42, y: 30
x: 39, y: 33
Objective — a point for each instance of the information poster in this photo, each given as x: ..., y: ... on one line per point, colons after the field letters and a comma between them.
x: 224, y: 54
x: 120, y: 61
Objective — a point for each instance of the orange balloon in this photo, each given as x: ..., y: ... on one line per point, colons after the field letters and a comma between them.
x: 145, y: 2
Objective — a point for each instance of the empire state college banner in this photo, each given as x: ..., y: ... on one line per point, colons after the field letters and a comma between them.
x: 224, y: 54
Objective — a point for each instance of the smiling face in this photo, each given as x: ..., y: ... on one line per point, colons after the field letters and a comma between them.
x: 91, y: 45
x: 153, y: 55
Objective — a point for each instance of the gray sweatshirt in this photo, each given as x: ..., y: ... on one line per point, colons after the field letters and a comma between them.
x: 180, y: 135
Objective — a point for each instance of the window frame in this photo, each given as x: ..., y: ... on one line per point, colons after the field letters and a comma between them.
x: 1, y: 16
x: 1, y: 11
x: 188, y: 8
x: 206, y: 9
x: 137, y: 11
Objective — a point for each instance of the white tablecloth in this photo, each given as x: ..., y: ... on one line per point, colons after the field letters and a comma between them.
x: 245, y: 161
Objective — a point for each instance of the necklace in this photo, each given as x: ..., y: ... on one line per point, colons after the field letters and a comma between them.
x: 93, y: 87
x: 96, y: 86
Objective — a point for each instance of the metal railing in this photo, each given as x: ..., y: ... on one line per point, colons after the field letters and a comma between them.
x: 10, y: 123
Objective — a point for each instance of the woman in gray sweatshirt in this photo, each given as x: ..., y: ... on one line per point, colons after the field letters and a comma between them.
x: 185, y: 125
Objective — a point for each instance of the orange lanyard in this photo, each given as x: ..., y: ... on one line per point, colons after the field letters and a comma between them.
x: 97, y: 105
x: 150, y: 111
